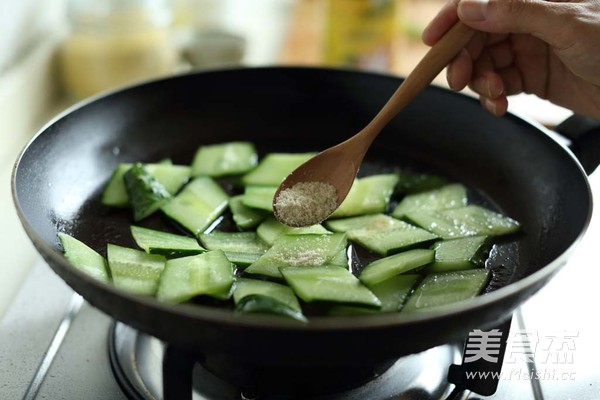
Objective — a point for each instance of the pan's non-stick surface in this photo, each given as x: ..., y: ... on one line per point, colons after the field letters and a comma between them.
x: 507, y: 161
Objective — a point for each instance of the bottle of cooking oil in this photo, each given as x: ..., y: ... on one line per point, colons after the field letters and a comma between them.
x: 360, y: 33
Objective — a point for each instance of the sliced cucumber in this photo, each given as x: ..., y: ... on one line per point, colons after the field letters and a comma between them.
x: 459, y: 254
x: 436, y: 223
x: 165, y: 243
x: 392, y: 293
x: 133, y: 270
x: 274, y: 167
x: 329, y: 283
x: 368, y: 196
x: 115, y: 193
x: 209, y: 274
x: 385, y: 268
x: 270, y: 229
x: 381, y: 233
x: 442, y: 288
x: 246, y: 287
x: 341, y: 258
x: 259, y: 304
x: 314, y: 261
x: 448, y: 196
x: 224, y: 159
x: 461, y: 222
x: 146, y: 194
x: 300, y: 250
x: 259, y: 197
x: 241, y: 248
x: 482, y: 220
x: 198, y: 204
x: 414, y: 182
x: 243, y: 216
x: 172, y: 177
x: 82, y: 257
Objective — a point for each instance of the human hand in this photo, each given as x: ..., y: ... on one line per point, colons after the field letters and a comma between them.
x: 550, y: 48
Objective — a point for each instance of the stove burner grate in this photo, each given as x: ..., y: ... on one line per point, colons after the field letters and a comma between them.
x: 137, y: 361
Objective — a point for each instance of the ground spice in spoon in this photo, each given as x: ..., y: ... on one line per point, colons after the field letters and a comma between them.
x: 305, y: 203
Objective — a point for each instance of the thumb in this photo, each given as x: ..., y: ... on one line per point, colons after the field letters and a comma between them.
x: 541, y: 18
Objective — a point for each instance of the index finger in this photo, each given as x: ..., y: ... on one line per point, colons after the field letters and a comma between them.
x: 441, y: 23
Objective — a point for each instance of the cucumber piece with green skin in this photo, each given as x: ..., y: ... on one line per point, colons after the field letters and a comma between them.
x: 329, y: 283
x: 443, y: 288
x: 367, y: 195
x: 300, y: 250
x: 165, y: 243
x: 246, y: 287
x: 385, y: 268
x: 84, y: 258
x: 448, y: 196
x: 209, y: 273
x: 198, y: 205
x: 146, y: 194
x: 243, y: 216
x: 133, y: 270
x: 274, y: 167
x: 462, y: 222
x: 172, y: 177
x: 259, y: 197
x: 409, y: 182
x: 381, y: 233
x: 224, y: 159
x: 392, y: 293
x: 270, y: 229
x: 241, y: 248
x: 459, y: 254
x: 259, y: 304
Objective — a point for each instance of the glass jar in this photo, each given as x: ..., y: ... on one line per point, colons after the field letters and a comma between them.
x: 115, y: 42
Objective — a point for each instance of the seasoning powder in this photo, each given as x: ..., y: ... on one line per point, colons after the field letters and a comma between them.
x: 305, y: 203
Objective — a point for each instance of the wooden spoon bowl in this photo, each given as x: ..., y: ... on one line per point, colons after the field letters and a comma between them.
x: 338, y: 165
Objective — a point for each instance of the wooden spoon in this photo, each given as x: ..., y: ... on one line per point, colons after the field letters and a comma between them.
x: 338, y: 165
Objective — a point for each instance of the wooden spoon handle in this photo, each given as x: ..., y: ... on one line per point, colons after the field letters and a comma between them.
x: 426, y: 70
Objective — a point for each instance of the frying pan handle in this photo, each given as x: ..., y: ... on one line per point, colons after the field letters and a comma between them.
x: 584, y: 133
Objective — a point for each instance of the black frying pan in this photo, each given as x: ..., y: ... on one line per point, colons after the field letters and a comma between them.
x: 512, y: 165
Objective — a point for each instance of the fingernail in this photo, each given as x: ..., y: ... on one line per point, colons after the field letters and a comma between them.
x: 490, y: 105
x: 472, y: 10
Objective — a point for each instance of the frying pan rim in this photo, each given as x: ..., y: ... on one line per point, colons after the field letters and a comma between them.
x: 329, y: 323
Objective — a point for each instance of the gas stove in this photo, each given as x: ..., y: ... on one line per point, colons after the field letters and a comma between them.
x: 53, y: 345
